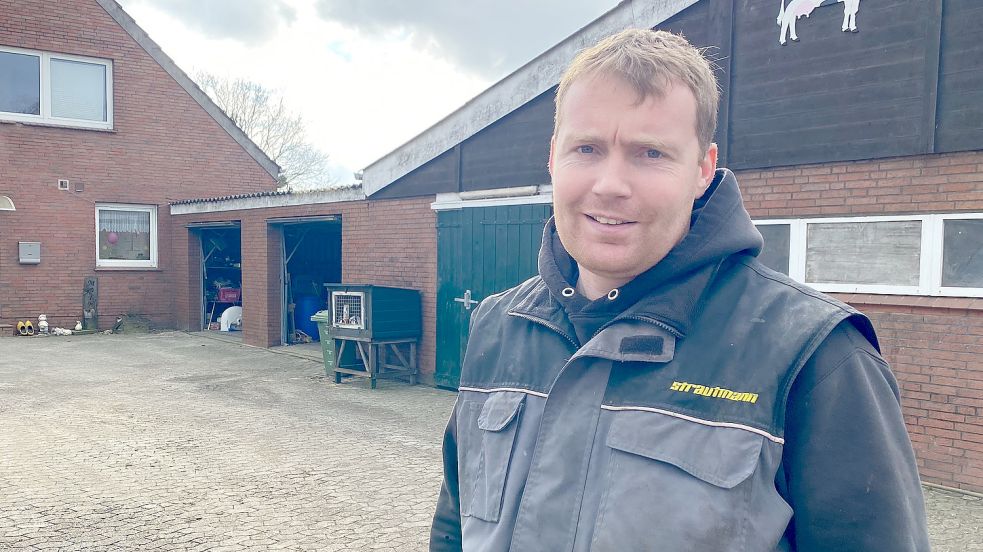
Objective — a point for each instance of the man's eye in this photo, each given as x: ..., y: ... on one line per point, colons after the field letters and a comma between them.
x: 653, y: 154
x: 585, y: 149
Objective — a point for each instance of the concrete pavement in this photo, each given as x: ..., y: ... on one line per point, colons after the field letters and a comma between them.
x: 178, y: 442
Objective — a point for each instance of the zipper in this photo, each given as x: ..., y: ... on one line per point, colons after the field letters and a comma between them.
x: 654, y: 321
x: 553, y: 327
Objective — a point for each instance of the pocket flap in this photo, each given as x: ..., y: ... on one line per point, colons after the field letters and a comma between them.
x: 721, y: 456
x: 499, y: 410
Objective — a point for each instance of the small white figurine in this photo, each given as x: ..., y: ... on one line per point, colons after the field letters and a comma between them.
x: 43, y: 324
x: 78, y: 325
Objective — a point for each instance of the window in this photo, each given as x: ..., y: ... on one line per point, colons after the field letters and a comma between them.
x: 55, y: 89
x: 20, y: 83
x: 126, y: 236
x: 863, y: 253
x: 905, y: 255
x: 962, y: 253
x: 775, y: 252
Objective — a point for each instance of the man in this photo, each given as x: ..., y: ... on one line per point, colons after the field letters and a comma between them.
x: 655, y: 387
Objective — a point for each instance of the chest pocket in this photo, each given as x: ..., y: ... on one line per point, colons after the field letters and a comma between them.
x: 485, y: 452
x: 673, y: 484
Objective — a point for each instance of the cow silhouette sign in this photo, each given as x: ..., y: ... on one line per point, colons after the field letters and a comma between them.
x: 803, y: 8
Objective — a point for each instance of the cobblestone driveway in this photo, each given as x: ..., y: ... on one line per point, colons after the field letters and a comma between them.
x: 164, y: 442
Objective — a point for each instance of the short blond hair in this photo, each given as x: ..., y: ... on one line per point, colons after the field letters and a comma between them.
x: 650, y: 61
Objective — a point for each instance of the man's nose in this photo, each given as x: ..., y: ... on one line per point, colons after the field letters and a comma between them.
x: 613, y: 178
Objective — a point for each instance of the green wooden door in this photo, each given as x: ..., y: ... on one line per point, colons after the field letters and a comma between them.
x: 480, y: 251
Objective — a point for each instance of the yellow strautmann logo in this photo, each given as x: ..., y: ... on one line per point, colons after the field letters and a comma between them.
x: 715, y: 392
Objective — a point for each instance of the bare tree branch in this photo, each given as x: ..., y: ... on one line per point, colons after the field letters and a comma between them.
x: 269, y: 122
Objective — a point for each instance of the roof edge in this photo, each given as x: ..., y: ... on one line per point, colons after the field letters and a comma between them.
x: 154, y: 50
x: 266, y: 200
x: 513, y: 91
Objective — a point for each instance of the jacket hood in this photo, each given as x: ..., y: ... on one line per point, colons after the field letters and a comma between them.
x: 719, y: 228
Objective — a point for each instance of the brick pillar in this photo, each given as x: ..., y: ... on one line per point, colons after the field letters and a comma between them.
x: 260, y: 282
x: 189, y: 305
x: 274, y: 283
x: 254, y: 311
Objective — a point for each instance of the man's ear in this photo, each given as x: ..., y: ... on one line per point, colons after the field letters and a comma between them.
x: 549, y: 164
x: 708, y: 167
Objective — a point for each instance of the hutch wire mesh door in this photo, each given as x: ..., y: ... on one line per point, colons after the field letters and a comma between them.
x: 346, y: 309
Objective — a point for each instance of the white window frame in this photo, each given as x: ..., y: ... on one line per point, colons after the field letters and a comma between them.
x: 937, y: 245
x: 930, y: 258
x: 120, y: 263
x: 45, y: 92
x: 525, y: 195
x: 796, y: 266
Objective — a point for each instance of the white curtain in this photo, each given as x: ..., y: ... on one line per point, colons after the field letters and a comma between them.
x: 124, y: 221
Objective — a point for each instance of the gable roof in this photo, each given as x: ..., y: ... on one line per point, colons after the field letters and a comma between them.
x: 143, y: 39
x: 513, y: 91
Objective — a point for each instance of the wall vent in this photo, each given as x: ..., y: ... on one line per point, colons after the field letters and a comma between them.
x: 62, y: 184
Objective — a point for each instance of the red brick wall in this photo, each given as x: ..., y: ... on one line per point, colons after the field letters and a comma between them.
x: 163, y: 147
x: 395, y: 243
x: 936, y: 355
x: 934, y: 345
x: 384, y: 242
x: 938, y: 183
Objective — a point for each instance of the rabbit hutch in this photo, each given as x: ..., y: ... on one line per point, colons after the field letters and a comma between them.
x: 374, y: 331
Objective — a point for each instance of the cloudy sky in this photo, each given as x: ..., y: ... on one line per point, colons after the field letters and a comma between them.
x: 367, y: 75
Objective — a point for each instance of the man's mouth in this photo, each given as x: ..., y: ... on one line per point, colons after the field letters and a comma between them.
x: 608, y: 220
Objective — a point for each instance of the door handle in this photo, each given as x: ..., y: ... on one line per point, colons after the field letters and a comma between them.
x: 466, y: 300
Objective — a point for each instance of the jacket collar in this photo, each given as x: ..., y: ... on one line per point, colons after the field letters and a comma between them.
x: 540, y: 305
x: 672, y: 306
x: 637, y: 335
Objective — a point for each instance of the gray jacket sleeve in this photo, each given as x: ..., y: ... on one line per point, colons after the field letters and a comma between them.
x: 849, y: 469
x: 445, y: 533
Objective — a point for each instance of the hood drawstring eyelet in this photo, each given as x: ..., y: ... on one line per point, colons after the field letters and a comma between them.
x: 567, y: 292
x: 613, y: 294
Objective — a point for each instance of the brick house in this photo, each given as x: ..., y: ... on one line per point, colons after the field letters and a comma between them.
x: 99, y: 131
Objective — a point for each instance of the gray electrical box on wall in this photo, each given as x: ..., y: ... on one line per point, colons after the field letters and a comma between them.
x: 30, y: 252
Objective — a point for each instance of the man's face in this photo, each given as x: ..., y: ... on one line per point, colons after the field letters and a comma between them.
x: 625, y: 175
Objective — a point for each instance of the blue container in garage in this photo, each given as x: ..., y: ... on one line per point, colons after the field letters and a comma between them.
x: 306, y: 307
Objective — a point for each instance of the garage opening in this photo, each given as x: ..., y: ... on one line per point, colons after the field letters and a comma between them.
x: 221, y: 278
x: 311, y: 258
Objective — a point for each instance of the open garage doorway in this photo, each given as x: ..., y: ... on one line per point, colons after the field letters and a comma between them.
x: 221, y: 277
x: 311, y: 258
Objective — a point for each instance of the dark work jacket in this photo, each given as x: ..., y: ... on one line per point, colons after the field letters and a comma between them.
x: 666, y: 429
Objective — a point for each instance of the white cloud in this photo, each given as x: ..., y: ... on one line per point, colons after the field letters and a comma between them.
x: 488, y: 38
x: 244, y: 20
x: 361, y: 94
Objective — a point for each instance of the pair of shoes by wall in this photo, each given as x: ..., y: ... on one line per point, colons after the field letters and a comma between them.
x: 25, y: 327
